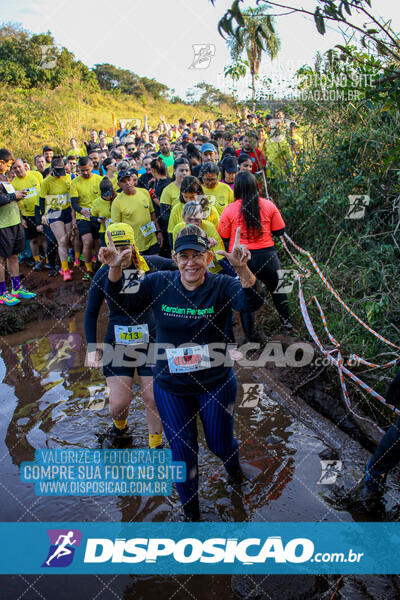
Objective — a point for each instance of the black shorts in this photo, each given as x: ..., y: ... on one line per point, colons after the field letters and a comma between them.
x: 110, y: 370
x: 143, y: 371
x: 30, y: 232
x: 64, y: 215
x: 12, y: 240
x: 85, y: 227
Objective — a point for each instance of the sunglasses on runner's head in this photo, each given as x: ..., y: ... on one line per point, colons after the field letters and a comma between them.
x: 123, y: 174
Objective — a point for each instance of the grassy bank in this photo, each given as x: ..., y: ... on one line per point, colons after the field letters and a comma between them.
x: 31, y: 118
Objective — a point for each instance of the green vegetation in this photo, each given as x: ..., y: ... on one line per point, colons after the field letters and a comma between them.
x: 31, y: 118
x: 47, y: 96
x: 350, y: 122
x: 247, y: 41
x: 351, y: 148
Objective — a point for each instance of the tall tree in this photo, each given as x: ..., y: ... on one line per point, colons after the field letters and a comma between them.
x: 248, y: 39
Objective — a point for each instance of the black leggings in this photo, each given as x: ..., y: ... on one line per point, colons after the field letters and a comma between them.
x: 264, y: 263
x: 52, y: 247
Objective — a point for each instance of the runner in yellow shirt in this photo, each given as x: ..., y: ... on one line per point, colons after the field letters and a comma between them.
x: 134, y: 207
x: 12, y: 240
x: 30, y: 181
x: 75, y: 150
x: 101, y: 208
x: 219, y: 194
x: 192, y: 214
x: 171, y: 192
x: 55, y: 206
x: 84, y: 190
x: 191, y: 190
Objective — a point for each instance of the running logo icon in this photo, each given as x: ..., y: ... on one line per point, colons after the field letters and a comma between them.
x: 132, y: 281
x: 62, y: 547
x: 357, y: 205
x: 203, y: 53
x: 286, y: 281
x: 48, y: 60
x: 330, y: 471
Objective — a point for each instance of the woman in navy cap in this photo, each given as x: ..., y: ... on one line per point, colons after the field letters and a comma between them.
x: 193, y: 319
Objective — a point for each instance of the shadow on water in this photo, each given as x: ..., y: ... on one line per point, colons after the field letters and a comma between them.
x: 49, y: 399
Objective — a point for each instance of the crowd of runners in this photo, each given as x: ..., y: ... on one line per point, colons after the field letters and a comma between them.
x: 174, y: 228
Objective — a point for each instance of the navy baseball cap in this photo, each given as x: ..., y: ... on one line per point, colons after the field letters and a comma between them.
x: 191, y: 242
x: 230, y: 164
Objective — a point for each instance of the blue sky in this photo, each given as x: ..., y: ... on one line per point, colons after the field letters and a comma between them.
x: 155, y: 38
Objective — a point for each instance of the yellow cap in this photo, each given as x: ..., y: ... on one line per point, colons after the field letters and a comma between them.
x: 122, y: 235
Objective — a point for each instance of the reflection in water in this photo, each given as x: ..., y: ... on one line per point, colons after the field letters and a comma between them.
x: 53, y: 400
x: 63, y: 403
x: 50, y: 399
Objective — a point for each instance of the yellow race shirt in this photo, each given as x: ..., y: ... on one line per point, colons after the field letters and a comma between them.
x: 56, y: 192
x: 86, y: 190
x: 210, y: 231
x: 279, y: 157
x: 38, y: 176
x: 220, y: 196
x: 78, y: 152
x: 175, y: 216
x: 32, y: 183
x: 170, y: 195
x: 102, y: 208
x: 114, y: 182
x: 136, y: 211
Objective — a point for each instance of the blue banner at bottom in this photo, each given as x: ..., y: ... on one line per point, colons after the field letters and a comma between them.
x: 209, y: 548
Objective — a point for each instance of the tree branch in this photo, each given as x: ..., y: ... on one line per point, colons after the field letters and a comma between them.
x: 337, y: 20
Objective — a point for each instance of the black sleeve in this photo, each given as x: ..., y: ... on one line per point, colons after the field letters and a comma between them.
x: 6, y: 198
x: 226, y: 243
x: 159, y: 263
x: 38, y: 216
x: 75, y: 205
x: 128, y: 293
x: 278, y: 232
x: 393, y: 393
x: 96, y: 297
x: 165, y: 210
x: 42, y: 205
x: 243, y: 299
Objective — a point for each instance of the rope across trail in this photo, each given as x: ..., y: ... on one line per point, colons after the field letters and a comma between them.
x: 338, y: 361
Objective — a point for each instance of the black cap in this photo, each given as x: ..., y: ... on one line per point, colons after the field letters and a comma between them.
x: 229, y: 164
x: 57, y: 172
x: 191, y: 242
x: 57, y: 166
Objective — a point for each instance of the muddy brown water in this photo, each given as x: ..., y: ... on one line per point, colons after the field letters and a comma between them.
x: 49, y: 399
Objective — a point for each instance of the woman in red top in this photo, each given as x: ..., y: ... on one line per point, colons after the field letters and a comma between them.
x: 258, y: 220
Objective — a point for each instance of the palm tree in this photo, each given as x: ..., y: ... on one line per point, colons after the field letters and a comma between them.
x: 257, y: 36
